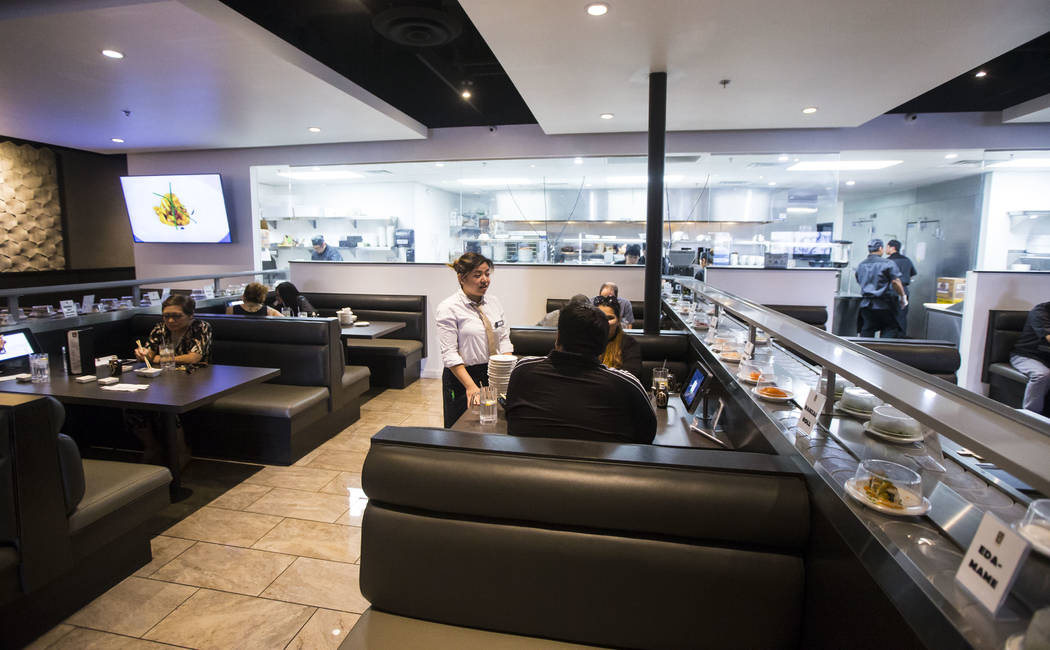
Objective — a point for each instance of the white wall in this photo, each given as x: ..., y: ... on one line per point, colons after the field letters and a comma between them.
x: 779, y: 287
x: 986, y: 291
x: 1009, y: 192
x: 522, y: 289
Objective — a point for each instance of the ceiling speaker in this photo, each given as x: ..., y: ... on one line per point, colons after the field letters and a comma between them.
x: 418, y: 26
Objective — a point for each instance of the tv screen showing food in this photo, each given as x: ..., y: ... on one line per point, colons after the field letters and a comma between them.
x: 185, y: 209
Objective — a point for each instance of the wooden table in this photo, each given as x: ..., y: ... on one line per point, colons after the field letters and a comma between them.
x: 672, y: 426
x: 169, y: 394
x: 374, y: 329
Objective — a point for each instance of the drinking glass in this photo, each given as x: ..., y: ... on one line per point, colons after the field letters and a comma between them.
x: 40, y: 368
x: 286, y: 312
x: 166, y: 352
x: 661, y: 377
x: 1036, y: 523
x: 488, y: 404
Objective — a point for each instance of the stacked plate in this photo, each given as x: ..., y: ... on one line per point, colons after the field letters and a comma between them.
x: 500, y: 367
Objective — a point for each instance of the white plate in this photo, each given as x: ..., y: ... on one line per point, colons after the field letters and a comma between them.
x: 149, y: 372
x: 849, y: 411
x: 788, y: 398
x: 1036, y: 544
x: 890, y: 437
x: 362, y: 323
x: 920, y: 508
x: 730, y: 360
x: 745, y: 379
x: 503, y: 358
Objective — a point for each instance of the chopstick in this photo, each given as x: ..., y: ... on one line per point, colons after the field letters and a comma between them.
x: 146, y: 359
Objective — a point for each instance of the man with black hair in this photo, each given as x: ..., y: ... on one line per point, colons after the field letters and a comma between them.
x: 323, y: 252
x: 879, y: 279
x: 570, y: 394
x: 907, y: 269
x: 632, y: 255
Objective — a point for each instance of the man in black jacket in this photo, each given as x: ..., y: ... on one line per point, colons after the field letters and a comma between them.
x: 570, y: 394
x: 1031, y: 357
x: 907, y: 269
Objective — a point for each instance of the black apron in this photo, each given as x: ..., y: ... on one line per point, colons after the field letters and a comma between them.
x: 454, y: 395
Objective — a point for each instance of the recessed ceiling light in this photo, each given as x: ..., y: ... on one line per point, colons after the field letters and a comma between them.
x: 771, y: 183
x: 316, y: 169
x: 842, y: 165
x: 117, y: 140
x: 597, y: 9
x: 799, y: 209
x: 809, y: 110
x: 981, y: 73
x: 783, y: 157
x: 851, y: 183
x: 466, y: 94
x: 606, y: 116
x: 577, y: 160
x: 112, y: 54
x: 951, y: 156
x: 314, y: 129
x: 439, y: 164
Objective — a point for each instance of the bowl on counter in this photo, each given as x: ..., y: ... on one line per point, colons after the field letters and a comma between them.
x: 857, y: 399
x: 888, y: 487
x: 889, y: 419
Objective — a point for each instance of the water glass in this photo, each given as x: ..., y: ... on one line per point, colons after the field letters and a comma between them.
x: 661, y: 377
x: 488, y: 404
x: 166, y: 356
x: 40, y: 368
x: 286, y: 312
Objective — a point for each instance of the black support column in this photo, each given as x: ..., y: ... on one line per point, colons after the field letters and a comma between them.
x: 655, y: 204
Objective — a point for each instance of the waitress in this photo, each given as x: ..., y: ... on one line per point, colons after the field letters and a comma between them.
x: 471, y: 328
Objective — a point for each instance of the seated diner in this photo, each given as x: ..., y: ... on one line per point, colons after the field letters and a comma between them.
x: 621, y: 351
x: 253, y: 302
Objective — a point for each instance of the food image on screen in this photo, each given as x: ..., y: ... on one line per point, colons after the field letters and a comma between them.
x: 178, y: 209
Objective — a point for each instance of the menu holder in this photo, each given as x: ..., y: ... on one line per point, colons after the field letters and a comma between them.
x: 811, y: 410
x: 69, y: 308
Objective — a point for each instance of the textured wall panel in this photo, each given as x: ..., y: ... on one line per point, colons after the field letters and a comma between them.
x: 29, y: 210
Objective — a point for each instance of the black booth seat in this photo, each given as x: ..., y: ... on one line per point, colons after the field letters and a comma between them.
x: 315, y: 396
x: 670, y: 349
x: 395, y: 359
x: 1005, y: 383
x: 815, y: 315
x: 637, y: 306
x: 938, y: 358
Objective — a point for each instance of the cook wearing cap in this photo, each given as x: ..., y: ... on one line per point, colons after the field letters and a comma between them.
x: 907, y: 269
x: 323, y: 252
x: 882, y: 294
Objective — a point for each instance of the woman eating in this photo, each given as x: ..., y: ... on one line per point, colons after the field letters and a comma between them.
x: 471, y: 328
x: 253, y: 302
x: 287, y: 296
x: 622, y: 351
x: 189, y: 338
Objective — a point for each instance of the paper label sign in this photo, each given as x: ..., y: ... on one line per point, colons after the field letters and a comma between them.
x: 209, y: 291
x: 749, y: 349
x: 713, y: 322
x: 992, y: 562
x: 165, y: 293
x: 153, y: 297
x: 68, y: 307
x: 89, y: 302
x: 811, y: 410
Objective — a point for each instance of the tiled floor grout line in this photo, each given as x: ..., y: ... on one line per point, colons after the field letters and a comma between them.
x: 173, y: 609
x: 302, y: 627
x: 183, y: 552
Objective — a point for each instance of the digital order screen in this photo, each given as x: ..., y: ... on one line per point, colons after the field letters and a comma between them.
x: 692, y: 387
x: 16, y: 344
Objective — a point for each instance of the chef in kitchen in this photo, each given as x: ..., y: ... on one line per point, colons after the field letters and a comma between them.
x: 323, y: 252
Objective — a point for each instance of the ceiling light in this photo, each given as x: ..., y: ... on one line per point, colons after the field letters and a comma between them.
x: 1031, y: 163
x: 606, y: 116
x: 597, y: 9
x: 783, y: 157
x: 809, y: 110
x: 771, y: 183
x: 322, y: 175
x: 577, y: 160
x: 494, y: 182
x: 112, y: 54
x: 117, y: 140
x: 801, y: 210
x: 851, y: 183
x: 981, y: 73
x: 951, y: 156
x: 639, y: 180
x: 314, y: 129
x: 842, y: 165
x: 439, y: 164
x: 466, y: 94
x: 316, y: 169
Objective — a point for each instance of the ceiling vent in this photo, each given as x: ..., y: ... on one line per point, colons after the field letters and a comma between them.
x: 967, y: 163
x: 418, y: 26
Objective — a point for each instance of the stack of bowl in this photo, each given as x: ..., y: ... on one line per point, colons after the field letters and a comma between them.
x: 500, y: 367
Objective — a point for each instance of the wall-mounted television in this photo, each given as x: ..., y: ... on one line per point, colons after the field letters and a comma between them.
x: 180, y: 209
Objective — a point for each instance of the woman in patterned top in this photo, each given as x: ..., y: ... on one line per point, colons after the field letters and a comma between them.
x: 190, y: 338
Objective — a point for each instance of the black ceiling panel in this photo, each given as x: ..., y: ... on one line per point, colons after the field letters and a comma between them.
x: 1017, y: 76
x: 429, y: 53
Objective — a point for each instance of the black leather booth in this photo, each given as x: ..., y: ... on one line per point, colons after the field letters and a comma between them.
x: 815, y: 315
x: 1005, y: 383
x: 69, y: 529
x: 277, y: 422
x: 395, y: 359
x: 670, y: 348
x: 613, y: 545
x: 638, y: 306
x: 938, y: 358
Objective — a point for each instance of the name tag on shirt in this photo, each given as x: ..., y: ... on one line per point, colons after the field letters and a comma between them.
x: 498, y: 325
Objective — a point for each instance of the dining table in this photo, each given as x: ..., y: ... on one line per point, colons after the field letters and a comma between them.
x: 374, y: 329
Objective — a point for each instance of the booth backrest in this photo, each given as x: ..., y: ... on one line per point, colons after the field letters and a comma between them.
x: 938, y: 358
x: 8, y: 518
x: 659, y: 548
x: 408, y: 309
x: 638, y: 306
x: 1004, y: 328
x: 816, y: 315
x: 672, y: 348
x: 307, y: 350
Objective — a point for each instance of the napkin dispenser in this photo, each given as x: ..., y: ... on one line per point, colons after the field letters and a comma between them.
x: 80, y: 344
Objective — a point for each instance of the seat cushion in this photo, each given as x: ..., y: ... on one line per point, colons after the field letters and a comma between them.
x: 1008, y: 371
x: 272, y: 400
x: 110, y: 486
x: 356, y: 379
x: 401, y: 347
x: 72, y: 469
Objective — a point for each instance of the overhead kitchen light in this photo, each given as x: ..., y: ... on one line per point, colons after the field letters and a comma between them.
x: 577, y: 160
x: 319, y: 175
x: 783, y: 157
x: 771, y: 183
x: 606, y: 116
x: 597, y: 9
x: 117, y: 140
x: 951, y: 156
x: 809, y: 110
x: 640, y: 180
x: 439, y: 164
x: 466, y: 94
x: 1022, y: 163
x: 851, y: 183
x: 798, y: 209
x: 841, y: 165
x: 314, y: 129
x: 494, y: 182
x: 112, y: 54
x: 981, y: 73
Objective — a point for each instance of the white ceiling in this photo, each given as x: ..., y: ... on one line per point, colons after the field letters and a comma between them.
x: 197, y: 75
x: 1034, y: 110
x: 854, y: 59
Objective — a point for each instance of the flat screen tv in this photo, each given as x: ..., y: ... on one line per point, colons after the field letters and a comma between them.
x: 183, y: 209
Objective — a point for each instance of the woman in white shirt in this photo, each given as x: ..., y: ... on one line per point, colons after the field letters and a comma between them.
x: 471, y: 328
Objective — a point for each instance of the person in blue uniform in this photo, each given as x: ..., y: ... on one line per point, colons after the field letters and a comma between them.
x: 1031, y: 357
x: 907, y: 269
x: 882, y: 294
x: 323, y: 252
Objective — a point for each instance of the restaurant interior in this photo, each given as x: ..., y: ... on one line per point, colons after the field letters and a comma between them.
x: 291, y: 481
